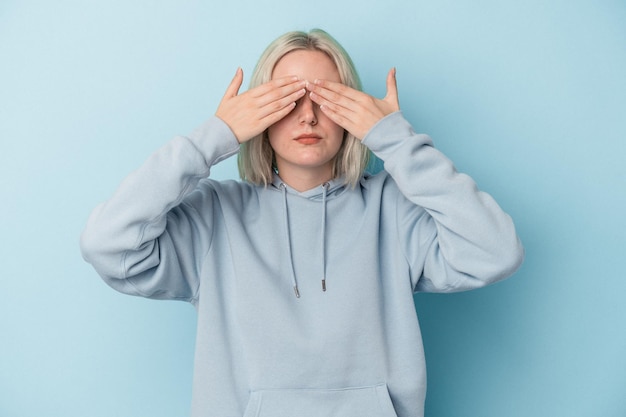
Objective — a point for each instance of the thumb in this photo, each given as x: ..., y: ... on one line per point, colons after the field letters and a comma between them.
x: 235, y: 84
x: 392, y: 88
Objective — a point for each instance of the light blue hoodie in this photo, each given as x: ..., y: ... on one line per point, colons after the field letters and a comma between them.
x: 304, y: 300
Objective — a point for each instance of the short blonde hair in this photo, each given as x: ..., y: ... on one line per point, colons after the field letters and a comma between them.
x: 256, y: 156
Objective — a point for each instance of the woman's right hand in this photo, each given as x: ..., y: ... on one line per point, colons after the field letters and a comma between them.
x: 250, y: 113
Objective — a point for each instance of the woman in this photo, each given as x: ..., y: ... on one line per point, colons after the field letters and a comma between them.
x: 303, y: 274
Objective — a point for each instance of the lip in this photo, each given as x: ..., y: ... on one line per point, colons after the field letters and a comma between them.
x: 308, y: 138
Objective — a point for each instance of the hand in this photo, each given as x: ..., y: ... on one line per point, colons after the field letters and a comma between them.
x: 355, y: 111
x: 250, y: 113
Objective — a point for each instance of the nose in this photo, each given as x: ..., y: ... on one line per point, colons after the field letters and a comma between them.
x: 307, y: 113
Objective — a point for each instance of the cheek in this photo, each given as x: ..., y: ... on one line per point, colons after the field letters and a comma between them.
x: 276, y: 131
x: 332, y: 128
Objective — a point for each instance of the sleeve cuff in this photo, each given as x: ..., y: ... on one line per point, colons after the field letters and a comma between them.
x: 215, y: 140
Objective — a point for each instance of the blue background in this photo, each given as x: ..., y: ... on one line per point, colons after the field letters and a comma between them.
x: 528, y: 97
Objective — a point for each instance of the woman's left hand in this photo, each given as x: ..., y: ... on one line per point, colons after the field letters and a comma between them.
x: 354, y: 110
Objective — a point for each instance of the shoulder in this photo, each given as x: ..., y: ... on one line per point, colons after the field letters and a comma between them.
x: 378, y: 183
x: 382, y: 188
x: 227, y: 193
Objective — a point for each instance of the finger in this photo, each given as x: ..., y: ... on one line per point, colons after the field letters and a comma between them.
x: 338, y: 108
x: 337, y: 96
x: 279, y: 104
x: 337, y: 87
x: 331, y: 89
x: 280, y: 93
x: 275, y: 84
x: 338, y: 117
x: 344, y: 119
x: 235, y: 84
x: 277, y: 115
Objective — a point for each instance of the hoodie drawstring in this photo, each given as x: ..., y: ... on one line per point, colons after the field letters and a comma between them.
x: 294, y: 281
x: 287, y: 232
x: 323, y: 237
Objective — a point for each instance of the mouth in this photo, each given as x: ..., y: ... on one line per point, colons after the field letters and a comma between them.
x: 308, y: 139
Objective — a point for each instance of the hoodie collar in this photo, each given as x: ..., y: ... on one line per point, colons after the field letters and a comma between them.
x: 320, y: 193
x: 330, y: 188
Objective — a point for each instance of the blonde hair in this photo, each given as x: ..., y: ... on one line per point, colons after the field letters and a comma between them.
x: 256, y: 156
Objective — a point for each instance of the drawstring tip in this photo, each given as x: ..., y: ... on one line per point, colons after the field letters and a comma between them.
x: 324, y: 284
x: 295, y: 289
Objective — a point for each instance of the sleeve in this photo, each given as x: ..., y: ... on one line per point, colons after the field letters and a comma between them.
x: 149, y: 238
x: 454, y: 236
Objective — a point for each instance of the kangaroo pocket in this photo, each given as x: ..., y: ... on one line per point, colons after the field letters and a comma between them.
x: 370, y: 401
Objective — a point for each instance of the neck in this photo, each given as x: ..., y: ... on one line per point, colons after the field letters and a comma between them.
x: 304, y: 180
